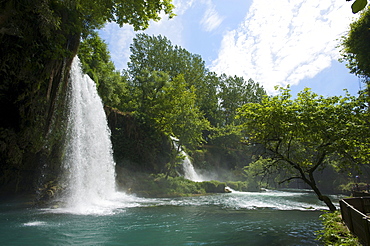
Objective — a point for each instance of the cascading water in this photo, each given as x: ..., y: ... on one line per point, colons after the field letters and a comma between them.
x: 88, y: 163
x: 189, y: 171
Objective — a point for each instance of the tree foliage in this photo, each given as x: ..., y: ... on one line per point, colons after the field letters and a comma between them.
x: 168, y: 83
x: 156, y: 53
x: 302, y: 136
x: 358, y: 5
x: 174, y: 91
x: 38, y: 40
x: 138, y: 13
x: 96, y: 61
x: 356, y: 48
x: 234, y: 92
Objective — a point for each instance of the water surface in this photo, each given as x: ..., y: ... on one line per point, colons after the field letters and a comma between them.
x: 245, y: 218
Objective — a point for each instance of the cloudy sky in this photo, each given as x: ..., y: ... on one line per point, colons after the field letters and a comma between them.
x: 276, y: 42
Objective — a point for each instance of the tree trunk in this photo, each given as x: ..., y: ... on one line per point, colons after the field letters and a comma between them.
x: 328, y: 203
x: 321, y: 197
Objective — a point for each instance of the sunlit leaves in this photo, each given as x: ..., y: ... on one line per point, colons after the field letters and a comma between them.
x: 137, y: 13
x: 177, y: 114
x: 179, y: 102
x: 95, y: 58
x: 308, y: 130
x: 356, y: 48
x: 145, y: 10
x: 235, y: 92
x: 306, y: 134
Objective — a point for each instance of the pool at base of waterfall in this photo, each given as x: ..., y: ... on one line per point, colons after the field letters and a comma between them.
x: 238, y: 218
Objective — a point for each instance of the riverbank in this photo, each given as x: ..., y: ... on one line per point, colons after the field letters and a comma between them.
x: 335, y: 231
x: 158, y: 185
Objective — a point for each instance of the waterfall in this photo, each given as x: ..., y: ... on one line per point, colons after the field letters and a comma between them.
x: 189, y: 171
x: 88, y: 161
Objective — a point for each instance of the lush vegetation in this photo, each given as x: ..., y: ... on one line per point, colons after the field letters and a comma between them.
x: 356, y: 49
x: 276, y: 138
x: 170, y: 93
x: 37, y: 43
x: 226, y: 123
x: 335, y: 232
x: 304, y: 135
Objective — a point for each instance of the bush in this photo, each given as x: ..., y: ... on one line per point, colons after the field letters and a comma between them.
x: 349, y: 187
x: 213, y: 186
x: 157, y: 185
x: 335, y: 232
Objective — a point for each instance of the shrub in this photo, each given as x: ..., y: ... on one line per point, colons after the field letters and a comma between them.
x: 214, y: 186
x: 335, y: 232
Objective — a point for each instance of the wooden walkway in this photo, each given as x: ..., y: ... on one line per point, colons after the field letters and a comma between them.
x: 355, y: 213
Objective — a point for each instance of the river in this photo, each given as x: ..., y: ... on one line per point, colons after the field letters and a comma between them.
x: 92, y: 212
x: 288, y: 217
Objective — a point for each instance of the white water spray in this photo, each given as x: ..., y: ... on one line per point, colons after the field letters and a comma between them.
x: 88, y: 163
x: 189, y: 171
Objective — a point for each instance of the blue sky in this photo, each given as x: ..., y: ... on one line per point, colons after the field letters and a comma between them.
x: 276, y: 42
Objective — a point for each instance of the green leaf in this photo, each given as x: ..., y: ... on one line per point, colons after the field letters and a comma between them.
x: 358, y: 5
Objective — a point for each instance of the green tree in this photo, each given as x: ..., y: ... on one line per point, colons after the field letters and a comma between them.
x: 156, y: 53
x: 165, y: 84
x: 170, y: 106
x: 302, y: 136
x: 234, y: 92
x: 137, y: 13
x: 38, y: 40
x: 96, y: 61
x: 177, y: 113
x: 356, y: 48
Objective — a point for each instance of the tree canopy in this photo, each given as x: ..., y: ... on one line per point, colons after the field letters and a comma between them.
x: 172, y: 91
x: 137, y: 13
x: 163, y: 84
x: 154, y: 60
x: 356, y: 48
x: 94, y: 55
x: 304, y: 135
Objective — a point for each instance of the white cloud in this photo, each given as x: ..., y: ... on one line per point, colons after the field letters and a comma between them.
x: 282, y: 42
x: 119, y: 39
x: 181, y: 6
x: 211, y: 19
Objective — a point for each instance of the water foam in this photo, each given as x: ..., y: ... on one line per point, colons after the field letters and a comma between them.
x: 35, y: 223
x: 189, y: 170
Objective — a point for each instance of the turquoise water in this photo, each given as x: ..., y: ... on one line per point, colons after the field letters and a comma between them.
x: 245, y: 218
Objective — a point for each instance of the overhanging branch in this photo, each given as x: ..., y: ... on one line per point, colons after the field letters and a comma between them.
x: 289, y: 179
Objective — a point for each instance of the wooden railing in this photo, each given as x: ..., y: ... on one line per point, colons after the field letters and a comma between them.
x: 354, y: 214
